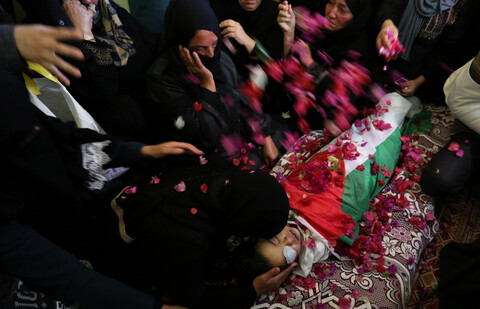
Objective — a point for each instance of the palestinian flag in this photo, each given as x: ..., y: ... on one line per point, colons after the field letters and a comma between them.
x: 332, y: 190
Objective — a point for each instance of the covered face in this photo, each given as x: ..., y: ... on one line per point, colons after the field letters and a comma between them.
x: 193, y: 24
x: 204, y: 43
x: 250, y: 5
x: 283, y: 248
x: 338, y: 14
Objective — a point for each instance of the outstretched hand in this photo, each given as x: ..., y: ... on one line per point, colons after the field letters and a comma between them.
x: 286, y: 21
x: 272, y: 279
x: 286, y: 17
x: 169, y: 148
x: 383, y: 36
x: 195, y: 66
x: 42, y: 44
x: 232, y: 29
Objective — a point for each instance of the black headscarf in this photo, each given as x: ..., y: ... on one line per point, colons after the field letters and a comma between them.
x: 182, y: 19
x: 260, y: 23
x: 258, y: 205
x: 336, y: 43
x: 234, y: 202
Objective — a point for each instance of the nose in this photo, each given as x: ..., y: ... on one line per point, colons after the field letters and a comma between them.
x: 288, y: 238
x: 333, y: 13
x: 210, y: 52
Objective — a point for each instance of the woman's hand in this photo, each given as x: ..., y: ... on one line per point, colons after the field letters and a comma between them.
x: 270, y: 151
x: 169, y: 148
x: 382, y: 37
x: 303, y: 50
x: 409, y: 87
x: 42, y: 44
x: 81, y: 17
x: 195, y: 66
x: 233, y: 29
x: 272, y: 279
x: 286, y: 21
x: 286, y: 18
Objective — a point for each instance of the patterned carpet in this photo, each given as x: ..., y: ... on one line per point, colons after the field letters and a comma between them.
x: 459, y: 221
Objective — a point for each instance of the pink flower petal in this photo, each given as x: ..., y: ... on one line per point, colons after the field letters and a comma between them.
x: 232, y: 144
x: 130, y: 190
x: 202, y: 160
x: 155, y: 180
x: 181, y: 187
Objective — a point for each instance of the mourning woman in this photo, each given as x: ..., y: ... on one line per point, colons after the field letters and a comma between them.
x: 250, y: 26
x: 345, y: 37
x: 180, y: 224
x: 195, y: 85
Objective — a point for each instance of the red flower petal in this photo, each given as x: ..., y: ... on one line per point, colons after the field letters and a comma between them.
x: 454, y: 146
x: 193, y: 210
x: 360, y: 168
x: 197, y: 106
x: 204, y: 188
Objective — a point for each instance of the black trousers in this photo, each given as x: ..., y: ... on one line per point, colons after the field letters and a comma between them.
x: 26, y: 254
x: 447, y: 173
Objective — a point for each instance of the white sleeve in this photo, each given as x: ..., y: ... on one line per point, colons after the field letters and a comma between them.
x: 462, y: 96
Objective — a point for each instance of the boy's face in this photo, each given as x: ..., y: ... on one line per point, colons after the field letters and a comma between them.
x: 272, y: 249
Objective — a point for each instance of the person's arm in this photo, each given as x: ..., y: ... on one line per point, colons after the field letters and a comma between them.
x: 41, y: 44
x: 286, y: 21
x: 52, y: 13
x: 34, y: 259
x: 10, y: 59
x: 387, y: 19
x: 454, y: 47
x: 462, y: 93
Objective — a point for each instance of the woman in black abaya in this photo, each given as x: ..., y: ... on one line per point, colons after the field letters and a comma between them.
x: 346, y: 32
x: 194, y: 85
x: 250, y: 25
x: 181, y: 224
